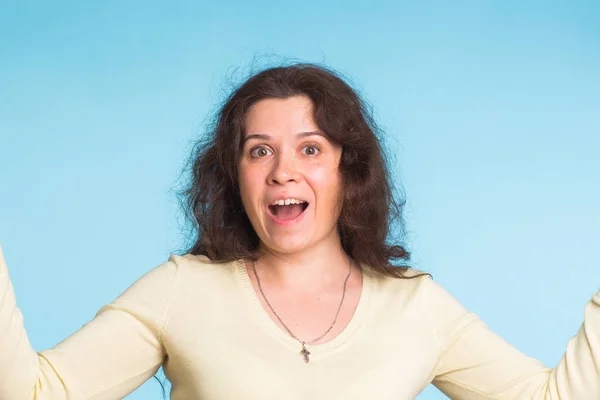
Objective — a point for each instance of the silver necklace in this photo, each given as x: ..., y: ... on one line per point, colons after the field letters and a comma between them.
x: 304, y: 352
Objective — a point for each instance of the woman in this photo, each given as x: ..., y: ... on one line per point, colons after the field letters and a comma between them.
x: 290, y: 291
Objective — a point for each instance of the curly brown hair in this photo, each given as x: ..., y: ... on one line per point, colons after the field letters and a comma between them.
x: 212, y: 201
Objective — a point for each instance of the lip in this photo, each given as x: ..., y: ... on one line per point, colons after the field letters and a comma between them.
x: 286, y: 222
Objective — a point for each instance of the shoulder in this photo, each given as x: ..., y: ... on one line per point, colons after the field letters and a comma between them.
x: 412, y: 282
x: 181, y: 271
x: 190, y: 264
x: 199, y: 274
x: 419, y: 292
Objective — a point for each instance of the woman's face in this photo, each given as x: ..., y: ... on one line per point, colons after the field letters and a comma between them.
x: 289, y: 177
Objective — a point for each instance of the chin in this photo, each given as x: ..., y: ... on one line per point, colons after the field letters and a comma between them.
x: 288, y: 245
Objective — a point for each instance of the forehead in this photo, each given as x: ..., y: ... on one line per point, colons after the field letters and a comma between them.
x: 280, y: 116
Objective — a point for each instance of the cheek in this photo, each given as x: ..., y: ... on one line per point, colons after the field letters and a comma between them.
x: 246, y: 186
x: 251, y: 187
x: 328, y: 183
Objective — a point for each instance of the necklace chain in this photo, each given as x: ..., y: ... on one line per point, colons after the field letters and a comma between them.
x: 304, y: 352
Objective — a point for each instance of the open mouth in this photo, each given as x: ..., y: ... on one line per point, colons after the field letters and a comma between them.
x: 287, y: 211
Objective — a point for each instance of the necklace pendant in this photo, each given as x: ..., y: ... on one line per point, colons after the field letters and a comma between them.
x: 305, y: 353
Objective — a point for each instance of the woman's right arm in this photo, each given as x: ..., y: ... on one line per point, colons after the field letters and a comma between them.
x: 107, y: 358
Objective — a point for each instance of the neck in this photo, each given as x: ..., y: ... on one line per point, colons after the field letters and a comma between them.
x: 321, y: 265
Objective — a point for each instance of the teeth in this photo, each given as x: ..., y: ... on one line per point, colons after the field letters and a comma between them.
x: 287, y: 202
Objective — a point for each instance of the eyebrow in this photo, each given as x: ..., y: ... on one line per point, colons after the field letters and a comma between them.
x: 300, y: 135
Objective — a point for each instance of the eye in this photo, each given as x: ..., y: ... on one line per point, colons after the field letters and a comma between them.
x: 260, y: 151
x: 311, y: 150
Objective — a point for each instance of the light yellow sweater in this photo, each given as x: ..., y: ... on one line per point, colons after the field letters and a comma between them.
x: 205, y: 323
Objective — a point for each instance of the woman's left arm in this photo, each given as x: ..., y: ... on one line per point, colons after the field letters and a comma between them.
x: 476, y: 364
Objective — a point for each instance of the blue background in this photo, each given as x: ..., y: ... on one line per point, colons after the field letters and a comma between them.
x: 492, y: 110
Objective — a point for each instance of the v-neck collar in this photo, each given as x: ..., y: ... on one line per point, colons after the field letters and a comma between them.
x: 264, y: 320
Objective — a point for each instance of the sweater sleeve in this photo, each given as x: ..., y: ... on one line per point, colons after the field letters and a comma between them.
x: 107, y: 358
x: 476, y: 364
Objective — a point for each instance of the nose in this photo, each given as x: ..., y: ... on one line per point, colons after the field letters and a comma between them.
x: 284, y: 170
